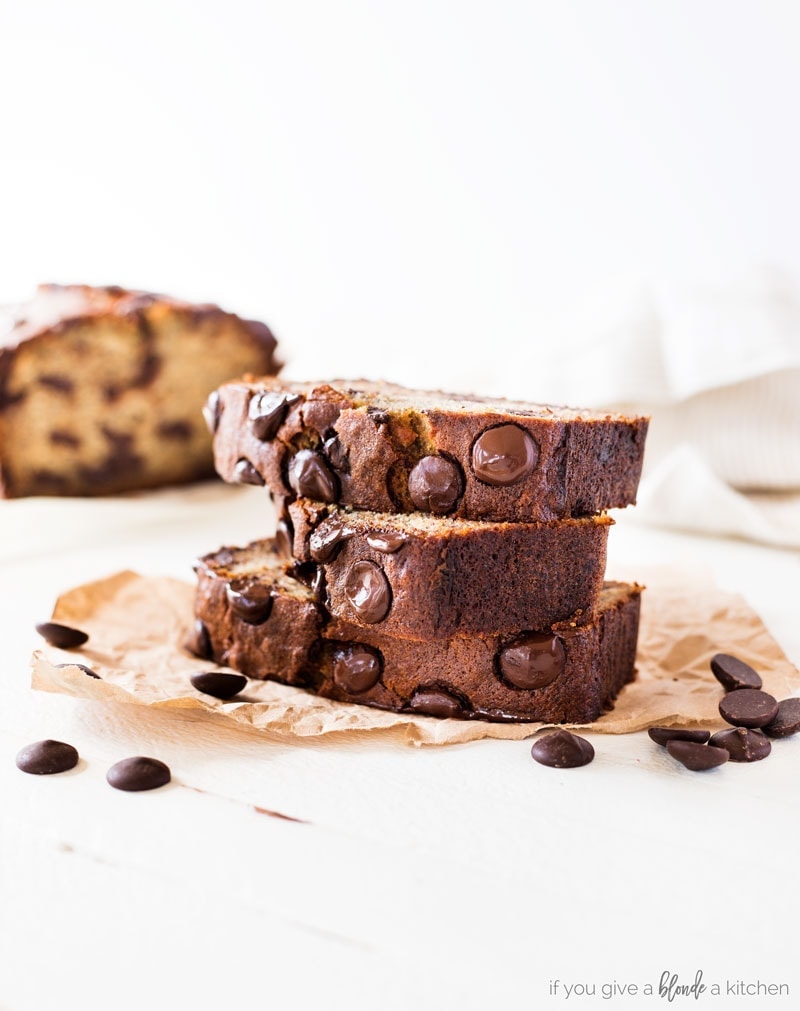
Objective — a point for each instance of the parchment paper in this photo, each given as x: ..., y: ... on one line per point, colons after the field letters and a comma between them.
x: 137, y: 625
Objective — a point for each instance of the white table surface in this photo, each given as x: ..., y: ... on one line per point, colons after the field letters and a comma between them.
x: 465, y: 876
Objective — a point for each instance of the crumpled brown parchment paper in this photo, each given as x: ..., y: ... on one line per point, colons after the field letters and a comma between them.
x: 137, y: 625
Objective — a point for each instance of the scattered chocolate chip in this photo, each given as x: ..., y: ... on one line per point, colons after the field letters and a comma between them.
x: 47, y: 757
x: 562, y: 750
x: 311, y: 477
x: 337, y: 454
x: 733, y: 674
x: 504, y: 455
x: 139, y: 773
x: 61, y: 636
x: 245, y: 473
x: 284, y: 538
x: 533, y: 661
x: 368, y: 590
x: 787, y: 722
x: 212, y: 412
x: 86, y: 670
x: 326, y: 541
x: 357, y: 668
x: 748, y: 707
x: 249, y: 600
x: 435, y: 484
x: 435, y: 702
x: 695, y: 756
x: 662, y: 735
x: 198, y: 641
x: 388, y: 543
x: 267, y: 411
x: 742, y: 745
x: 218, y: 683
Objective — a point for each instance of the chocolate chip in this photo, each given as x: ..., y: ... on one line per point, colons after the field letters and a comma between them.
x: 139, y: 773
x: 733, y: 673
x: 47, y: 757
x: 218, y: 683
x: 61, y: 636
x: 212, y: 412
x: 368, y: 590
x: 337, y: 454
x: 435, y: 702
x: 245, y: 473
x: 742, y: 745
x: 326, y: 541
x: 533, y: 661
x: 435, y: 484
x: 284, y: 538
x: 695, y: 756
x: 86, y: 670
x: 504, y: 455
x: 249, y: 600
x: 562, y: 750
x: 357, y: 668
x: 311, y: 477
x: 787, y: 722
x: 378, y: 416
x: 198, y: 641
x: 387, y: 543
x: 267, y: 411
x: 662, y: 735
x: 748, y: 707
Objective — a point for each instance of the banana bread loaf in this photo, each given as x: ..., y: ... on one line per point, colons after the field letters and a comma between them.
x: 255, y: 618
x: 384, y: 448
x: 102, y: 389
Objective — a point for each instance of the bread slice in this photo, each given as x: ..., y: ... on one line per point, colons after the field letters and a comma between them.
x: 384, y: 448
x: 255, y: 618
x: 102, y: 389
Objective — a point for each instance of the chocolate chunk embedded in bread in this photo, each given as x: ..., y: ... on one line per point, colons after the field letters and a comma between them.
x: 558, y: 674
x: 385, y: 448
x: 102, y: 389
x: 422, y: 577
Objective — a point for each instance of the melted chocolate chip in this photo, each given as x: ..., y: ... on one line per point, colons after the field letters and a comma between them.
x: 533, y: 661
x: 249, y: 600
x: 662, y: 735
x: 742, y: 745
x: 219, y: 684
x: 86, y: 670
x: 245, y: 473
x: 504, y: 455
x: 326, y: 541
x: 284, y: 538
x: 435, y: 484
x: 436, y: 702
x: 733, y: 673
x: 386, y: 543
x: 61, y: 636
x: 198, y: 641
x: 368, y: 590
x: 748, y: 707
x: 310, y: 476
x: 357, y: 668
x: 44, y: 758
x: 337, y: 454
x: 697, y: 757
x: 266, y: 413
x: 787, y: 722
x: 562, y: 750
x: 212, y: 411
x: 139, y: 773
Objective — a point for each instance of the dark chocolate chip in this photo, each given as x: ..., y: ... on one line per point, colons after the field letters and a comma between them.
x: 387, y: 543
x: 284, y: 539
x: 695, y: 756
x: 318, y: 586
x: 742, y: 745
x: 748, y: 707
x: 86, y: 670
x: 357, y: 668
x: 47, y: 757
x: 218, y: 683
x: 562, y: 750
x: 377, y: 415
x: 198, y: 641
x: 435, y: 484
x: 533, y: 661
x: 787, y: 722
x: 249, y: 600
x: 504, y: 455
x: 661, y: 735
x: 267, y: 411
x: 326, y: 541
x: 733, y: 673
x: 435, y: 702
x: 245, y: 473
x: 61, y: 636
x: 311, y: 477
x: 337, y: 454
x: 212, y: 411
x: 139, y: 773
x: 368, y: 590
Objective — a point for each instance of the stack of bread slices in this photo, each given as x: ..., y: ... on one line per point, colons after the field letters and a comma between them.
x: 434, y: 554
